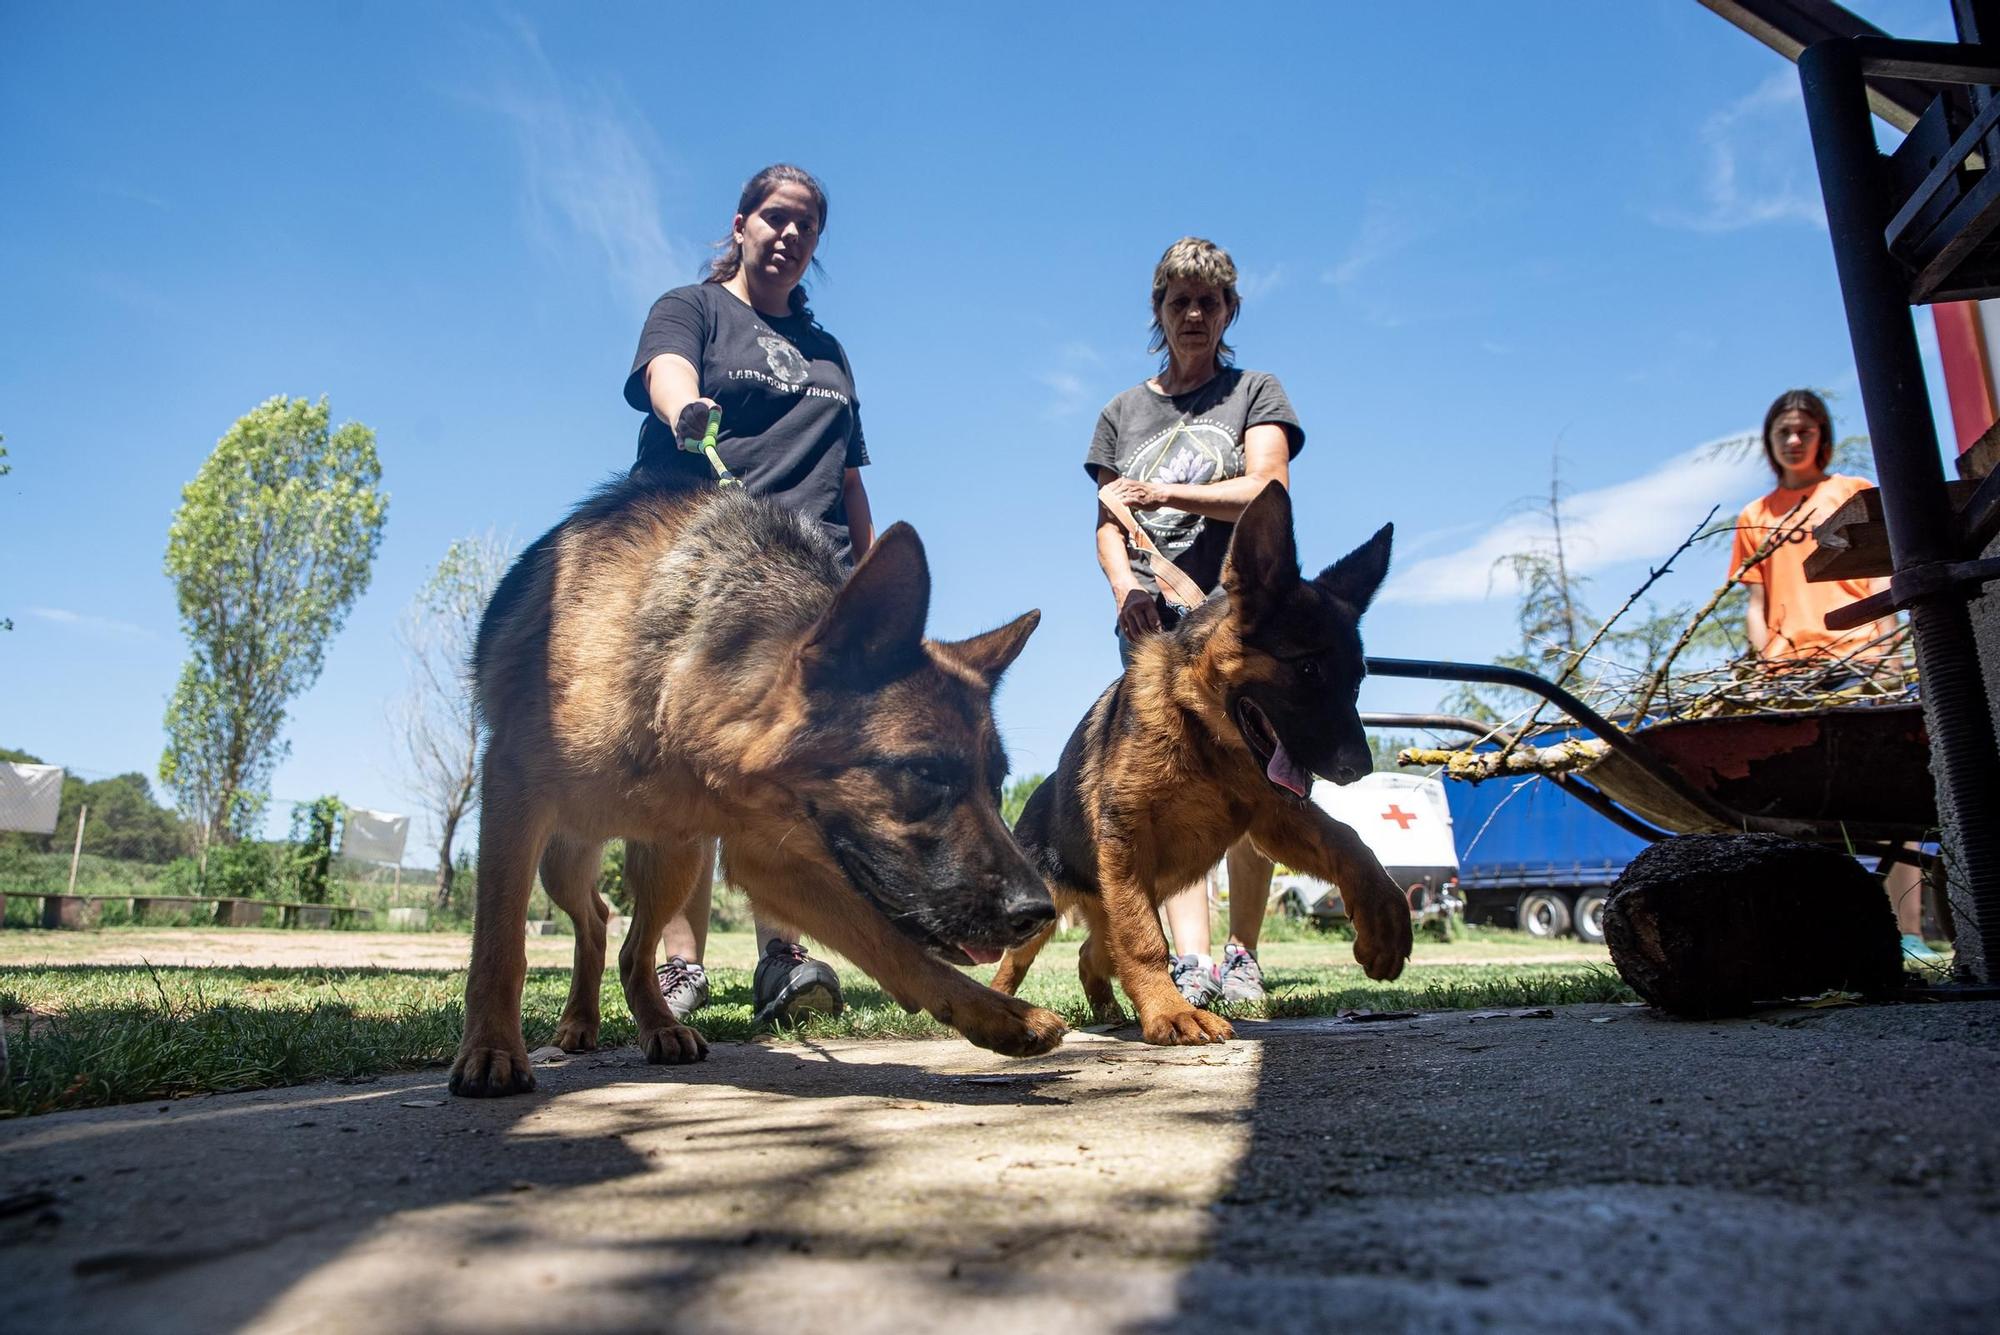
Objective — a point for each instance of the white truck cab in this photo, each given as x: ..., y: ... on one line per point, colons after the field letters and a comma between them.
x: 1404, y: 818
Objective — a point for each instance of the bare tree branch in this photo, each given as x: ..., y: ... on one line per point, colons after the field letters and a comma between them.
x: 435, y: 717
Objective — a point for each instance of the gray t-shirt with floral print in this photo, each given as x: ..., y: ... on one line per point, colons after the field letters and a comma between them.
x: 1194, y: 437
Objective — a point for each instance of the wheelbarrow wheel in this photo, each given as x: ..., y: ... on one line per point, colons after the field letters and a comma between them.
x: 1590, y: 916
x: 1543, y: 914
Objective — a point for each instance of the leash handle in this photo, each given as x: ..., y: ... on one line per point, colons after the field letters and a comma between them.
x: 706, y: 445
x: 1179, y: 589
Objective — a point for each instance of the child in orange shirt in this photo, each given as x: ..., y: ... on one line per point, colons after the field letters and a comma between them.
x: 1787, y: 615
x: 1787, y: 619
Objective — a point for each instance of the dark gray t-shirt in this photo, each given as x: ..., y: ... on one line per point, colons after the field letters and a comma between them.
x: 791, y: 426
x: 1194, y: 437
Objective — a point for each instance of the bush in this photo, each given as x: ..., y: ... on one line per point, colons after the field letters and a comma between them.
x: 245, y: 870
x: 729, y: 909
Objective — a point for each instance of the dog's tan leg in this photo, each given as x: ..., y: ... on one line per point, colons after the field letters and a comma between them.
x: 1138, y: 950
x: 908, y: 972
x: 1306, y: 839
x: 1014, y: 965
x: 569, y: 875
x: 492, y: 1056
x: 1095, y: 970
x: 660, y: 875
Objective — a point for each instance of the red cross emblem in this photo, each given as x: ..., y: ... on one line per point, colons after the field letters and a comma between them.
x: 1400, y: 816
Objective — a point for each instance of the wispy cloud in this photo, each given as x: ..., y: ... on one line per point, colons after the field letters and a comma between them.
x: 133, y: 293
x: 90, y: 624
x: 1072, y: 381
x: 1386, y: 230
x: 1254, y: 283
x: 1642, y: 519
x: 126, y: 192
x: 1408, y: 263
x: 592, y: 170
x: 1758, y: 164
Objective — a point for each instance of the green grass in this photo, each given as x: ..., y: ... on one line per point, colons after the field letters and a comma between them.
x: 87, y: 1035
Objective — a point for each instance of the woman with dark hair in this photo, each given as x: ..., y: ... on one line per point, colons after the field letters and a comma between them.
x: 743, y: 340
x: 1185, y: 451
x: 1787, y: 615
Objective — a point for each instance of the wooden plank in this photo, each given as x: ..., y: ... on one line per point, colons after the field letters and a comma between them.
x: 1853, y: 541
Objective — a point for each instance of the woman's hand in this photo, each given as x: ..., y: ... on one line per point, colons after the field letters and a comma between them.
x: 1138, y: 495
x: 1138, y: 613
x: 692, y: 424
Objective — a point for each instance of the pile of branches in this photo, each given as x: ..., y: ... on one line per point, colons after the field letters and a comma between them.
x: 1880, y: 671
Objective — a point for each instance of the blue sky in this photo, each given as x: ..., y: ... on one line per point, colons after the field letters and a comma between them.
x: 1471, y: 235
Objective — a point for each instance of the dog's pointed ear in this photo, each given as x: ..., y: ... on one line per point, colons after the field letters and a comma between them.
x: 992, y: 653
x: 1355, y: 577
x: 1263, y: 561
x: 874, y: 632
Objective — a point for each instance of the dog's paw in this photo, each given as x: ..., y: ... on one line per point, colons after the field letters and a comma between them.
x: 1382, y: 936
x: 1010, y: 1027
x: 491, y: 1073
x: 1107, y: 1013
x: 1185, y: 1026
x: 576, y: 1035
x: 673, y: 1045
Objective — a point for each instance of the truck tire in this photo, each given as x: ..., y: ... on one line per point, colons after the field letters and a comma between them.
x: 1589, y: 916
x: 1543, y: 914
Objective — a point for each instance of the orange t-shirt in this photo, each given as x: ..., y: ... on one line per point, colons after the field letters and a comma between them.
x: 1794, y: 610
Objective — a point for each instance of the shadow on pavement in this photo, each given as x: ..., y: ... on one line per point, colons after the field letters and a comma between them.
x: 1607, y: 1169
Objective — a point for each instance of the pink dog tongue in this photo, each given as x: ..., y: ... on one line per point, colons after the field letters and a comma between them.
x: 979, y: 954
x: 1285, y: 772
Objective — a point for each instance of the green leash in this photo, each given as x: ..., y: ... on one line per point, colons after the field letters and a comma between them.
x: 706, y: 445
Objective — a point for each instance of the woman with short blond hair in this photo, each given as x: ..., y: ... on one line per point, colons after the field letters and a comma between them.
x: 1186, y: 450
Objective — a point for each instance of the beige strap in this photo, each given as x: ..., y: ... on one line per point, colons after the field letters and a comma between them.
x: 1178, y: 588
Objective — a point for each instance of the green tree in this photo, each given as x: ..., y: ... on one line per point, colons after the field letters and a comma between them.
x: 1382, y: 749
x: 1015, y: 796
x: 610, y: 876
x: 315, y: 825
x: 435, y: 717
x: 273, y: 542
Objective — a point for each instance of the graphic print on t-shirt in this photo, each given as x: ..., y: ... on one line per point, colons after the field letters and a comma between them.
x: 785, y: 361
x: 1186, y: 453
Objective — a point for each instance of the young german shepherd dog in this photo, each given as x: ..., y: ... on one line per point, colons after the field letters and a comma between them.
x: 674, y: 667
x: 1215, y: 731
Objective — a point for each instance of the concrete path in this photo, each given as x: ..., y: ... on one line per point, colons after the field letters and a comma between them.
x: 1597, y: 1170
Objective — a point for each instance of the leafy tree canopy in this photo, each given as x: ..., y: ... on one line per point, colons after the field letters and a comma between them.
x: 1015, y: 796
x: 274, y: 540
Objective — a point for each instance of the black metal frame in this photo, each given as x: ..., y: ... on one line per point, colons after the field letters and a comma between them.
x: 1934, y: 575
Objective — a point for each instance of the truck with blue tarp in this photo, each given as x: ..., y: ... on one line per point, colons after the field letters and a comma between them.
x: 1531, y: 856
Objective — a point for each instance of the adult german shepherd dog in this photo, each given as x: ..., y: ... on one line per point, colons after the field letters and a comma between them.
x: 677, y: 667
x: 1214, y: 732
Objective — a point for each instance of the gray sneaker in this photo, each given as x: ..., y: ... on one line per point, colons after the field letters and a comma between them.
x: 683, y: 986
x: 1197, y: 984
x: 1242, y: 979
x: 790, y: 985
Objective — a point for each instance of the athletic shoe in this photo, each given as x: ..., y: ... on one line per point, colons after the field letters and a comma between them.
x: 1242, y: 979
x: 683, y: 986
x: 1915, y: 949
x: 1195, y: 980
x: 790, y: 985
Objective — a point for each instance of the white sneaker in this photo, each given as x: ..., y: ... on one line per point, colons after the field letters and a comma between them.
x: 1196, y: 980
